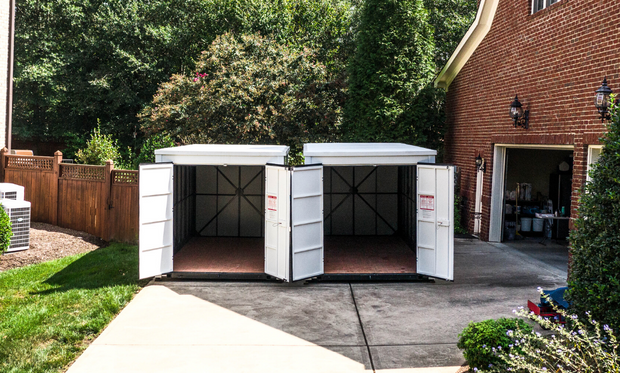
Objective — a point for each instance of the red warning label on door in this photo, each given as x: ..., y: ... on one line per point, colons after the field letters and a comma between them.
x: 427, y: 203
x: 272, y: 203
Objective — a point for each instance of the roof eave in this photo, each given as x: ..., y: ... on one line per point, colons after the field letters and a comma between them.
x: 472, y: 39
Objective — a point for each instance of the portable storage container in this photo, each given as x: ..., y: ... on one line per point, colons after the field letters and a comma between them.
x: 238, y: 211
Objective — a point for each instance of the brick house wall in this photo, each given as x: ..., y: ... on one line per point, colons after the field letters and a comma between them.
x: 4, y: 66
x: 554, y: 60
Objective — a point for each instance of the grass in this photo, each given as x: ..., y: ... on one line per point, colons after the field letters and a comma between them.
x: 49, y: 312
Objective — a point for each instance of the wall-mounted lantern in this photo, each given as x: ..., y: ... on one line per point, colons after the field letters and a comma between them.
x: 480, y: 164
x: 602, y: 101
x: 520, y: 117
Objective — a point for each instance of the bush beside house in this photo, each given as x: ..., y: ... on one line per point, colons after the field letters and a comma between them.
x: 594, y: 279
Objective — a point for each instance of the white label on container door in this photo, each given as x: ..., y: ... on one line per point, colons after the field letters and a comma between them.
x: 272, y: 206
x: 427, y: 205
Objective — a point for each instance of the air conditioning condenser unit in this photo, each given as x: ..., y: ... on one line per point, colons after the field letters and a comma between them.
x: 11, y: 191
x: 19, y: 214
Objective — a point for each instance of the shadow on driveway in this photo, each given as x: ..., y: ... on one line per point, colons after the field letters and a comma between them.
x: 318, y: 327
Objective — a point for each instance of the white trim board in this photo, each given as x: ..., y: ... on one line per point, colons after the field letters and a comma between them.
x: 472, y: 39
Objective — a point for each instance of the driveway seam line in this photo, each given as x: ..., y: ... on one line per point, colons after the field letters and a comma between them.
x: 359, y: 318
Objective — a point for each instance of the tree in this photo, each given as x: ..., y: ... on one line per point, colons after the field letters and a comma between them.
x: 594, y: 279
x: 249, y: 90
x: 393, y: 62
x: 450, y: 20
x: 82, y: 60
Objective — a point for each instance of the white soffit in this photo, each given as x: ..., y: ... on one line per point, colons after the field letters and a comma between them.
x: 374, y: 154
x: 472, y: 39
x: 223, y: 154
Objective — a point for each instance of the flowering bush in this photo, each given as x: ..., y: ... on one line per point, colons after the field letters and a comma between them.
x: 479, y: 340
x: 574, y: 347
x: 249, y: 90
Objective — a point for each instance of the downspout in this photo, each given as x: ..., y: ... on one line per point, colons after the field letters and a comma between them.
x: 9, y: 86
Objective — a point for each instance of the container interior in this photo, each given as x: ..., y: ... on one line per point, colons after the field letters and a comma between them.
x: 219, y: 219
x: 369, y: 218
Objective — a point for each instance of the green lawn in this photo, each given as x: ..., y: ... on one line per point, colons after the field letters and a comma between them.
x: 49, y: 312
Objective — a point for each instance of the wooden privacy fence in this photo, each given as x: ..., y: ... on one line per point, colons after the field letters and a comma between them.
x: 98, y: 200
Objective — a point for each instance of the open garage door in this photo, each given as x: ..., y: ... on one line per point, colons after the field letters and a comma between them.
x: 156, y: 229
x: 435, y: 221
x: 307, y: 221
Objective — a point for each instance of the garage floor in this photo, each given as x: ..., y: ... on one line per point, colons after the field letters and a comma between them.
x: 343, y: 254
x: 368, y: 254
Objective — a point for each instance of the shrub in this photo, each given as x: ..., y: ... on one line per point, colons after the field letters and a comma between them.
x: 479, y: 339
x: 249, y: 90
x: 5, y: 230
x: 575, y: 348
x: 99, y: 149
x: 150, y: 144
x: 594, y: 278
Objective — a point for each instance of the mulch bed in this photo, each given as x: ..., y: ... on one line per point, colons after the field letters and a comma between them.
x: 48, y: 242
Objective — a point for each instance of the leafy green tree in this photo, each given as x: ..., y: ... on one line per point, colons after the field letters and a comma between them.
x: 99, y: 149
x: 82, y: 60
x: 150, y: 144
x: 249, y: 90
x: 393, y: 62
x: 450, y: 20
x: 594, y: 279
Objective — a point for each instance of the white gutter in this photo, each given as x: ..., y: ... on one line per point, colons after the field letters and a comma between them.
x: 472, y: 39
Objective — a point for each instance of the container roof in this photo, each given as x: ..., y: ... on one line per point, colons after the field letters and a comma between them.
x: 223, y: 154
x: 364, y: 149
x: 227, y: 149
x: 367, y: 153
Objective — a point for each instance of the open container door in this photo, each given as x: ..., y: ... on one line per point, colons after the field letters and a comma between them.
x: 307, y: 221
x: 435, y: 221
x: 156, y: 229
x: 277, y: 221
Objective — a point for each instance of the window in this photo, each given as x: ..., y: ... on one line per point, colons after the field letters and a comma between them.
x: 541, y: 4
x: 594, y: 153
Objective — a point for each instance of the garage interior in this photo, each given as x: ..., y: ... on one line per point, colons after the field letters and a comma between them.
x: 544, y: 178
x: 369, y: 219
x: 219, y: 219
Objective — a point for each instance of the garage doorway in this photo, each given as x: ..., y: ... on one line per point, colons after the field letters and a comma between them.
x: 531, y: 180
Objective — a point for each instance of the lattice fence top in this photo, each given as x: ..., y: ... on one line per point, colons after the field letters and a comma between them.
x: 82, y: 172
x: 125, y: 177
x: 29, y: 163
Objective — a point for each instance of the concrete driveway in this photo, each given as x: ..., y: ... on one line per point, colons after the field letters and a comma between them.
x: 318, y: 327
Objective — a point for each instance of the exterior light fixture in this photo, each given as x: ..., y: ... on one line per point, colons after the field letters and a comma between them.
x: 480, y: 164
x: 602, y: 101
x: 520, y: 117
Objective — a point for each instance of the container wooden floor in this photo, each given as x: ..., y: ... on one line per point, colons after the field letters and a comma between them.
x: 343, y: 255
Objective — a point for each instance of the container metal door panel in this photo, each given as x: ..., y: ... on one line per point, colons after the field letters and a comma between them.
x: 156, y: 223
x: 307, y: 221
x: 277, y: 221
x: 435, y: 221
